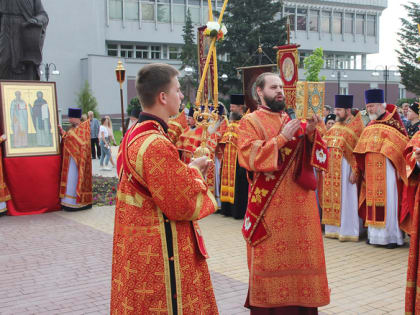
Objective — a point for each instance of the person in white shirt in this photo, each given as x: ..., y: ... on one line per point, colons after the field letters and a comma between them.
x: 104, y: 144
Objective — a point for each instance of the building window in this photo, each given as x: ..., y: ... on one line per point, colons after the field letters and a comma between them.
x: 326, y: 22
x: 371, y: 25
x: 348, y: 23
x: 329, y: 61
x: 302, y: 56
x: 142, y: 52
x: 402, y: 92
x: 301, y: 19
x: 126, y: 51
x: 174, y: 52
x: 115, y: 9
x: 344, y: 90
x: 113, y: 50
x: 147, y: 11
x: 337, y: 22
x: 313, y: 20
x: 179, y: 13
x: 163, y: 11
x: 156, y: 52
x: 195, y: 14
x: 132, y: 10
x: 290, y: 12
x: 360, y: 23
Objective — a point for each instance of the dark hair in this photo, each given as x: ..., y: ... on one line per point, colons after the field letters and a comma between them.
x: 153, y: 79
x: 260, y: 82
x: 103, y: 120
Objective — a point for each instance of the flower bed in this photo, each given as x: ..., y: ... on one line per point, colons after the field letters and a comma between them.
x: 104, y: 190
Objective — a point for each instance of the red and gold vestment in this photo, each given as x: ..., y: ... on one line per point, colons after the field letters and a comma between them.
x: 4, y: 191
x: 230, y: 155
x: 284, y: 241
x: 382, y: 139
x: 177, y: 125
x: 341, y: 140
x: 159, y: 258
x: 76, y: 144
x: 412, y: 293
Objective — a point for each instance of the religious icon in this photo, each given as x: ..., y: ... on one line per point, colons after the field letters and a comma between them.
x: 309, y: 99
x: 29, y: 118
x: 288, y: 69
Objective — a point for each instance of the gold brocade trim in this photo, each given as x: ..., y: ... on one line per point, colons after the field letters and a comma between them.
x: 71, y: 197
x: 198, y: 206
x: 375, y: 175
x: 348, y: 238
x: 73, y: 206
x: 177, y: 268
x: 212, y: 198
x: 411, y: 284
x: 136, y: 201
x: 142, y: 150
x: 331, y: 197
x: 3, y: 210
x: 165, y: 260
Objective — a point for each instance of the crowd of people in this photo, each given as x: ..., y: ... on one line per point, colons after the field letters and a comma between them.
x: 282, y: 176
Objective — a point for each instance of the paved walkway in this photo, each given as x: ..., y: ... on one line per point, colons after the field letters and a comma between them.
x: 60, y: 263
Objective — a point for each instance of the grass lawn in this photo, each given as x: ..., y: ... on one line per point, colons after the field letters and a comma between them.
x: 118, y: 136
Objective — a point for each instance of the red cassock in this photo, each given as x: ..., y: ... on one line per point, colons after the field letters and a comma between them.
x: 159, y: 259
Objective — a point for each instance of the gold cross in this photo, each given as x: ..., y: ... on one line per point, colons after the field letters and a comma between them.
x: 157, y: 166
x: 126, y: 306
x: 128, y: 270
x: 148, y: 254
x: 191, y: 303
x: 334, y: 142
x: 184, y: 269
x: 118, y: 282
x: 375, y: 139
x: 142, y: 291
x: 197, y: 276
x: 158, y: 309
x: 182, y: 193
x: 122, y: 246
x: 158, y: 193
x: 189, y: 247
x: 129, y: 177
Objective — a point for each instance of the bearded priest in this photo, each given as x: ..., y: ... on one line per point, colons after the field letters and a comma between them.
x: 379, y: 156
x: 282, y: 226
x: 340, y: 197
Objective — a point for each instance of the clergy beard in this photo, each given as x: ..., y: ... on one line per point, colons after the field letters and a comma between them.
x: 275, y: 106
x: 341, y: 119
x: 373, y: 116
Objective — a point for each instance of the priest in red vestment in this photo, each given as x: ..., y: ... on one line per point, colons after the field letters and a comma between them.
x: 412, y: 202
x: 76, y: 170
x: 287, y: 273
x: 159, y: 258
x: 379, y: 156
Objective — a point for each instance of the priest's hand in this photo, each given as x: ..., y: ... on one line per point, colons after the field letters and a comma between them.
x: 290, y: 129
x: 202, y: 163
x: 417, y: 155
x: 312, y: 123
x: 60, y: 129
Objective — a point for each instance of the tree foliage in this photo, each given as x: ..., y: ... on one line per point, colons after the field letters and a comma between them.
x: 408, y: 54
x: 249, y: 23
x: 313, y: 65
x: 189, y: 49
x: 134, y: 103
x: 86, y: 101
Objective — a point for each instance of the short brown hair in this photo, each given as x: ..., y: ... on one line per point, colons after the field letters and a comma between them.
x: 152, y: 80
x: 260, y: 82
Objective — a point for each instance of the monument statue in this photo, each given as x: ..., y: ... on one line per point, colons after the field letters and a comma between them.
x: 22, y: 32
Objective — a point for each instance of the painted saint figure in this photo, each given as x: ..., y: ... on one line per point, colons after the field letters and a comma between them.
x: 41, y: 120
x: 19, y: 121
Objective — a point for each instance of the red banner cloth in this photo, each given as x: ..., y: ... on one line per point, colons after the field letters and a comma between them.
x: 34, y: 184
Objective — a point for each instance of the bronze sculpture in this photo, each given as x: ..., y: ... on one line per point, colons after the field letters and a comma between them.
x: 22, y: 31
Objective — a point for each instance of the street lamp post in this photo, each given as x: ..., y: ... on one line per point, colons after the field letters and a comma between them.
x: 386, y: 75
x: 188, y: 74
x: 48, y: 70
x: 120, y: 73
x: 339, y: 79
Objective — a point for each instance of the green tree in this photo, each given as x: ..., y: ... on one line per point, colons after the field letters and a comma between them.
x: 134, y: 103
x: 189, y: 49
x: 86, y: 101
x: 405, y: 100
x: 249, y: 23
x: 313, y: 65
x: 409, y: 51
